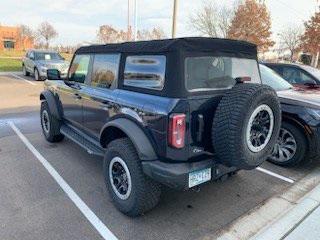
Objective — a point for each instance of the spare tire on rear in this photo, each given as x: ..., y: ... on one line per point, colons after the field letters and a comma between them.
x: 246, y: 125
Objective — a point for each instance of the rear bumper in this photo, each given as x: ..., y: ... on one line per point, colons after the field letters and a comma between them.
x: 176, y: 175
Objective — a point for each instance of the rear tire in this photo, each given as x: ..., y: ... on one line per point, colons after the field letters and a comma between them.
x: 132, y: 192
x: 50, y: 125
x: 246, y: 125
x: 291, y: 147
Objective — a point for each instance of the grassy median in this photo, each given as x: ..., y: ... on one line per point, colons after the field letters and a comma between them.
x: 10, y: 64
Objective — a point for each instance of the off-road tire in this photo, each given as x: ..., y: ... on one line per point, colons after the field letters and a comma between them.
x: 229, y: 129
x: 302, y: 146
x: 145, y: 192
x: 53, y: 135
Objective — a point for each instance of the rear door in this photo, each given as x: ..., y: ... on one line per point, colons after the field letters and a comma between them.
x: 99, y: 93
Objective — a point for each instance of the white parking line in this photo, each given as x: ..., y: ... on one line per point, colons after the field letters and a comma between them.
x: 86, y: 211
x: 16, y: 76
x: 289, y: 180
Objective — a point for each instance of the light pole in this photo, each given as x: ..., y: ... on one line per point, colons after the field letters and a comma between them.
x: 128, y: 22
x: 135, y: 21
x: 174, y: 18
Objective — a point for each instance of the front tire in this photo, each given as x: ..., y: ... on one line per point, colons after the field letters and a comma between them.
x: 50, y: 125
x: 36, y: 75
x: 24, y: 71
x: 291, y: 147
x: 131, y: 191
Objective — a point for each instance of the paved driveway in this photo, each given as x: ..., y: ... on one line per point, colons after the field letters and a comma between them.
x: 34, y: 205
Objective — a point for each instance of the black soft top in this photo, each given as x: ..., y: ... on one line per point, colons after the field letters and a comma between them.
x: 175, y: 50
x: 201, y: 44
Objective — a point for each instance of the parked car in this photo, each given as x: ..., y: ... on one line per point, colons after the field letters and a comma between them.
x: 176, y: 112
x: 301, y: 76
x: 299, y: 137
x: 37, y: 62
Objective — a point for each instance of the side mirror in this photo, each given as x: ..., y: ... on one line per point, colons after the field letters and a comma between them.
x: 53, y: 74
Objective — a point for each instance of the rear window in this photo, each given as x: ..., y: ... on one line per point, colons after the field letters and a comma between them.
x: 210, y: 72
x: 145, y: 71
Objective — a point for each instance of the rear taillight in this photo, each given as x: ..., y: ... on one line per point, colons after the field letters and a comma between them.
x: 177, y: 130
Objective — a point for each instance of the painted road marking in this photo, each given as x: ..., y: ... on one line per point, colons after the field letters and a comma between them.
x: 16, y: 76
x: 86, y: 211
x: 289, y: 180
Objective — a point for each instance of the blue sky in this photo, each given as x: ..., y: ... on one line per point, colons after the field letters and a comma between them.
x: 78, y: 20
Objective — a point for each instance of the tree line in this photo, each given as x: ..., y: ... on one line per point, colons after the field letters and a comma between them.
x: 247, y: 20
x: 250, y: 20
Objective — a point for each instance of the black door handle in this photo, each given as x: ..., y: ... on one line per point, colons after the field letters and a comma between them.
x: 77, y: 96
x: 106, y: 106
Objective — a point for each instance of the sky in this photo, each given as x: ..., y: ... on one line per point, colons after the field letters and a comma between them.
x: 77, y: 21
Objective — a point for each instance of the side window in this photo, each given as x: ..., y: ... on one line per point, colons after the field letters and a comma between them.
x: 295, y: 75
x: 31, y: 55
x: 79, y: 68
x: 105, y: 70
x: 145, y: 71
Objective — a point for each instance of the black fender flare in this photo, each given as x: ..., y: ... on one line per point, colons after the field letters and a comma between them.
x: 136, y: 135
x: 52, y: 103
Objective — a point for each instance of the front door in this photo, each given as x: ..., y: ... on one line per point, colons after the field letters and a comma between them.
x: 100, y: 95
x: 71, y: 92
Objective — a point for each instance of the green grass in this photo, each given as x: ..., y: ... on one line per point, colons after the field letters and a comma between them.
x: 8, y: 64
x: 12, y: 53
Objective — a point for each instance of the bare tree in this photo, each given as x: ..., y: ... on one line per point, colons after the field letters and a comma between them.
x: 25, y: 32
x: 107, y: 34
x: 47, y: 32
x: 212, y: 20
x: 290, y: 38
x: 155, y: 33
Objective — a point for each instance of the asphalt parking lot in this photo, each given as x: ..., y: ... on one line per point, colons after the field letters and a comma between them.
x: 34, y: 205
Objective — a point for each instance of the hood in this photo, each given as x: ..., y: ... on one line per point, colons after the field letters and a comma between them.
x: 53, y: 62
x: 308, y: 98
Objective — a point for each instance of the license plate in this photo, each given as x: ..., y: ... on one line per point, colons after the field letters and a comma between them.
x: 198, y: 177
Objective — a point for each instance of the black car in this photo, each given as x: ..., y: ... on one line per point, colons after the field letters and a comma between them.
x: 301, y: 76
x: 177, y: 112
x: 299, y: 137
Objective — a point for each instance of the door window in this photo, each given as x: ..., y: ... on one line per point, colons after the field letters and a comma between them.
x: 296, y: 76
x: 31, y: 55
x: 145, y: 71
x: 105, y: 70
x: 79, y: 68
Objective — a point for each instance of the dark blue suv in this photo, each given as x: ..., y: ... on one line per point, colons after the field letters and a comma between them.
x: 177, y: 112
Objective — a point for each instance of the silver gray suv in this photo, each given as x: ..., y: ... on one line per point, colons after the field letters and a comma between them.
x: 37, y: 62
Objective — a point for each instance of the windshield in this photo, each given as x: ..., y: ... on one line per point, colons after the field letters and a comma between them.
x: 272, y: 79
x: 47, y: 56
x: 313, y: 71
x: 211, y: 72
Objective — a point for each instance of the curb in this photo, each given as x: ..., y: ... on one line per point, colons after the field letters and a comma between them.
x: 293, y: 218
x: 277, y: 216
